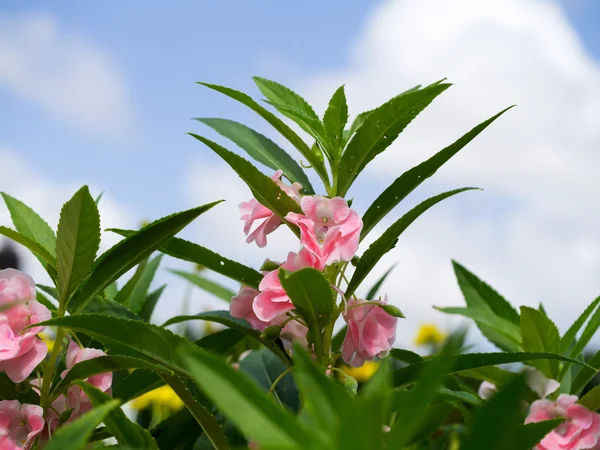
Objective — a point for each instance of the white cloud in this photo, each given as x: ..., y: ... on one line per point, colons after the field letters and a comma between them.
x: 64, y: 74
x: 46, y: 197
x: 532, y: 233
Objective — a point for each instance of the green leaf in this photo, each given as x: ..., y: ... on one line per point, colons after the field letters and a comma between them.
x: 188, y: 251
x: 569, y: 338
x: 77, y: 241
x: 30, y: 224
x: 136, y: 300
x: 45, y: 301
x: 124, y: 430
x: 221, y: 342
x: 477, y: 293
x: 506, y: 335
x: 411, y: 179
x: 74, y: 436
x: 373, y: 291
x: 388, y: 239
x: 410, y: 421
x: 205, y: 284
x: 527, y: 436
x: 223, y: 317
x: 150, y: 303
x: 539, y: 334
x: 469, y: 361
x: 585, y: 375
x: 276, y: 123
x: 591, y: 400
x: 125, y: 292
x: 177, y: 432
x: 264, y: 189
x: 380, y: 128
x: 338, y: 339
x: 261, y: 148
x: 109, y: 307
x: 265, y: 368
x: 405, y: 356
x: 103, y: 364
x: 253, y: 411
x: 335, y: 119
x: 311, y: 294
x: 135, y: 384
x: 487, y: 431
x: 37, y: 249
x: 131, y: 250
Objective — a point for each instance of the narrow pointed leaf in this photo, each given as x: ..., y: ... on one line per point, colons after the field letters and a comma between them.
x: 469, y: 361
x: 569, y: 338
x: 585, y: 375
x: 37, y: 249
x: 125, y: 292
x: 207, y: 285
x: 188, y: 251
x: 136, y: 300
x: 28, y: 223
x: 380, y: 128
x: 73, y: 436
x: 126, y: 432
x: 335, y: 118
x: 591, y: 400
x: 539, y: 334
x: 150, y: 303
x: 411, y: 179
x: 388, y: 239
x: 373, y: 291
x: 276, y: 123
x: 261, y: 148
x: 131, y: 250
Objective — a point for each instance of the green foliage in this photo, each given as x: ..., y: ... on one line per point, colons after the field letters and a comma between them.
x: 539, y: 334
x: 207, y: 285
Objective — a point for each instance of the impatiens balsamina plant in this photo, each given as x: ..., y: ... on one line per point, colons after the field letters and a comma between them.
x: 273, y: 378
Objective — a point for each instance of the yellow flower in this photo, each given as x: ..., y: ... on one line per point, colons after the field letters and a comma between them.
x: 429, y: 333
x: 47, y: 340
x: 363, y: 373
x: 162, y: 396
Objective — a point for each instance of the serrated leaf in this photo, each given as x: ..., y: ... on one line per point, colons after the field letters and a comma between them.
x: 77, y: 241
x: 135, y: 384
x: 223, y: 317
x: 28, y: 223
x: 136, y: 300
x: 569, y: 338
x: 37, y: 249
x: 131, y: 250
x: 380, y: 128
x: 388, y: 239
x: 261, y: 148
x: 539, y: 334
x: 188, y: 251
x: 125, y: 431
x: 125, y: 292
x: 109, y: 307
x: 311, y: 294
x: 253, y: 411
x: 264, y: 189
x: 335, y: 119
x: 207, y: 285
x: 222, y: 341
x: 276, y: 123
x: 73, y: 436
x: 373, y: 291
x: 411, y: 179
x: 469, y: 361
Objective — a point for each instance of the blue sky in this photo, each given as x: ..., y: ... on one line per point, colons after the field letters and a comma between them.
x: 103, y: 93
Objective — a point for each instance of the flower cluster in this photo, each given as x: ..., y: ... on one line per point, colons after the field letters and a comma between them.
x: 329, y: 234
x: 21, y: 351
x: 581, y: 427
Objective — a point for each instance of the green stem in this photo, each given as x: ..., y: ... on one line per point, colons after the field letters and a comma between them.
x: 51, y: 363
x: 279, y: 378
x: 209, y: 424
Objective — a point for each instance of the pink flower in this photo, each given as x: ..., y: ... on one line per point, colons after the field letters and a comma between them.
x: 539, y: 384
x: 20, y: 350
x: 272, y: 299
x: 371, y: 332
x: 252, y: 211
x: 329, y: 229
x: 19, y: 424
x: 241, y: 307
x: 580, y: 430
x: 76, y: 398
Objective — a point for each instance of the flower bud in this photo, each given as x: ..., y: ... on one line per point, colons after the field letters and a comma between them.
x: 393, y: 311
x: 271, y: 333
x: 269, y: 266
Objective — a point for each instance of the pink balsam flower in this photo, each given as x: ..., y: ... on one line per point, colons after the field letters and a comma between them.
x: 240, y: 307
x: 329, y: 229
x: 272, y: 300
x: 580, y: 430
x: 253, y: 211
x: 19, y: 424
x: 371, y: 332
x: 76, y: 398
x: 20, y: 349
